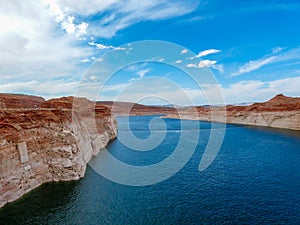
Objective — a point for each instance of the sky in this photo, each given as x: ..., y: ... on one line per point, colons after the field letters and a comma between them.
x: 54, y: 48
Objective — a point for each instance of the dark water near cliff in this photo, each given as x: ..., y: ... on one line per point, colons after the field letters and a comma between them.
x: 255, y: 179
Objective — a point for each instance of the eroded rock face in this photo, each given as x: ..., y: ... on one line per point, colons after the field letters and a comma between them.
x: 278, y: 112
x: 46, y: 143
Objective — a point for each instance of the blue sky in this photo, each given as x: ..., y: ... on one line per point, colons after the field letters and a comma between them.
x: 251, y: 47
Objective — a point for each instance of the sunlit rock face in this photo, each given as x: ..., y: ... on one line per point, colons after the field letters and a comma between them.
x: 278, y: 112
x: 43, y: 141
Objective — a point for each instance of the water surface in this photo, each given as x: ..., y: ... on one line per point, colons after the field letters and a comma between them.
x: 255, y: 179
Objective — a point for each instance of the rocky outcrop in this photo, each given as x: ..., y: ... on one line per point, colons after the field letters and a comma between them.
x: 43, y: 141
x: 278, y: 112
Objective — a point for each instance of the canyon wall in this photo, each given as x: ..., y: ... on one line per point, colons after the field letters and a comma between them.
x: 284, y: 120
x: 278, y: 112
x: 44, y: 141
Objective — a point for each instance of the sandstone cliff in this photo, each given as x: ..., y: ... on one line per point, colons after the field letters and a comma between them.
x: 43, y: 141
x: 278, y: 112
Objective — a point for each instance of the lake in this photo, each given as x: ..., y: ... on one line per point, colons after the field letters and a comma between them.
x: 254, y: 179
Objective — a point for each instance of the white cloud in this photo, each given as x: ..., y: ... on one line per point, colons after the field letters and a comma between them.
x: 219, y: 67
x: 256, y: 90
x: 192, y: 65
x: 132, y: 79
x: 46, y: 89
x: 105, y: 47
x: 202, y: 64
x: 142, y: 73
x: 81, y: 31
x: 31, y: 45
x: 66, y: 20
x: 184, y: 51
x: 279, y: 56
x: 290, y: 86
x: 207, y: 52
x: 68, y: 25
x: 101, y: 46
x: 206, y: 63
x: 254, y: 65
x: 119, y: 14
x: 178, y: 61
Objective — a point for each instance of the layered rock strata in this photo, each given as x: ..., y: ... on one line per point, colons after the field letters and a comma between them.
x: 278, y: 112
x: 44, y: 141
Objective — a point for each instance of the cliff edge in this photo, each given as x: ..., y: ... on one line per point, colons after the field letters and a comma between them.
x: 43, y: 141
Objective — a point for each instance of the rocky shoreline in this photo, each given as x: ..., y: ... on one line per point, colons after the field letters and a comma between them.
x: 282, y: 120
x: 279, y: 112
x: 45, y: 141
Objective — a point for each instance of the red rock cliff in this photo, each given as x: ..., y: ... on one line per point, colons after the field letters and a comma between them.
x: 279, y: 112
x: 43, y: 141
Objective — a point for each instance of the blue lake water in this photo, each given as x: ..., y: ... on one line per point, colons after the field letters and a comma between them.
x: 255, y: 179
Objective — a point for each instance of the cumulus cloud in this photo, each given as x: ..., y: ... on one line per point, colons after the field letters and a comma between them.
x: 202, y: 64
x: 31, y: 44
x: 67, y: 20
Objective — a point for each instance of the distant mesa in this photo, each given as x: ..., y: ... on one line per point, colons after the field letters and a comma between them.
x: 20, y: 101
